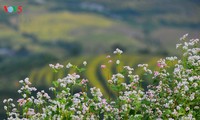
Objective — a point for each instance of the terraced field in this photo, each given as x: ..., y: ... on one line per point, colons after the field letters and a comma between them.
x: 89, y: 30
x: 97, y: 77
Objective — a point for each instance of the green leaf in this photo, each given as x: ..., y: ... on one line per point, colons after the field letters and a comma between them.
x: 92, y: 108
x: 68, y: 104
x: 115, y: 88
x: 55, y: 83
x: 28, y: 104
x: 81, y: 70
x: 55, y: 70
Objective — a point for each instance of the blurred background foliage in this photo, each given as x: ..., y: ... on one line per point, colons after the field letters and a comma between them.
x: 50, y: 31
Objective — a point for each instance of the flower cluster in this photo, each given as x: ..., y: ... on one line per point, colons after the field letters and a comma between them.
x: 57, y: 66
x: 175, y: 93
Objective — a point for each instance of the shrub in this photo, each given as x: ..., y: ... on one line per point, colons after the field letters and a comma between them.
x: 175, y: 94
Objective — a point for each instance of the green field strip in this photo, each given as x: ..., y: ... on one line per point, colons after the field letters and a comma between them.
x: 90, y: 73
x: 33, y: 77
x: 61, y: 73
x: 106, y: 75
x: 49, y: 77
x: 88, y: 60
x: 118, y: 68
x: 41, y: 77
x: 47, y: 72
x: 103, y: 80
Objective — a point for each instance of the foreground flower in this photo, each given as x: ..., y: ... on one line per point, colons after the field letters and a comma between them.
x: 118, y: 62
x: 84, y: 63
x: 103, y: 66
x: 118, y: 51
x: 30, y: 112
x: 69, y: 65
x: 57, y: 66
x: 173, y: 95
x: 21, y: 101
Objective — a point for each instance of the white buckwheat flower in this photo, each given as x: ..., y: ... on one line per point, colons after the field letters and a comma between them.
x: 118, y: 62
x: 69, y: 65
x: 118, y: 51
x: 84, y: 63
x: 183, y: 37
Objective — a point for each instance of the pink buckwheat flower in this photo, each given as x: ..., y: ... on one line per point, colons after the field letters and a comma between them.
x: 21, y: 101
x: 156, y: 73
x: 108, y: 56
x: 30, y: 112
x: 110, y: 61
x: 103, y: 66
x: 161, y: 63
x: 83, y: 81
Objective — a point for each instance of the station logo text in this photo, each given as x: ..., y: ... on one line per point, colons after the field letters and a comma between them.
x: 13, y: 9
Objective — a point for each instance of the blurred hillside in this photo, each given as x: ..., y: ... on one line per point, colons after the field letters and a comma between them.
x: 50, y: 31
x: 62, y: 25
